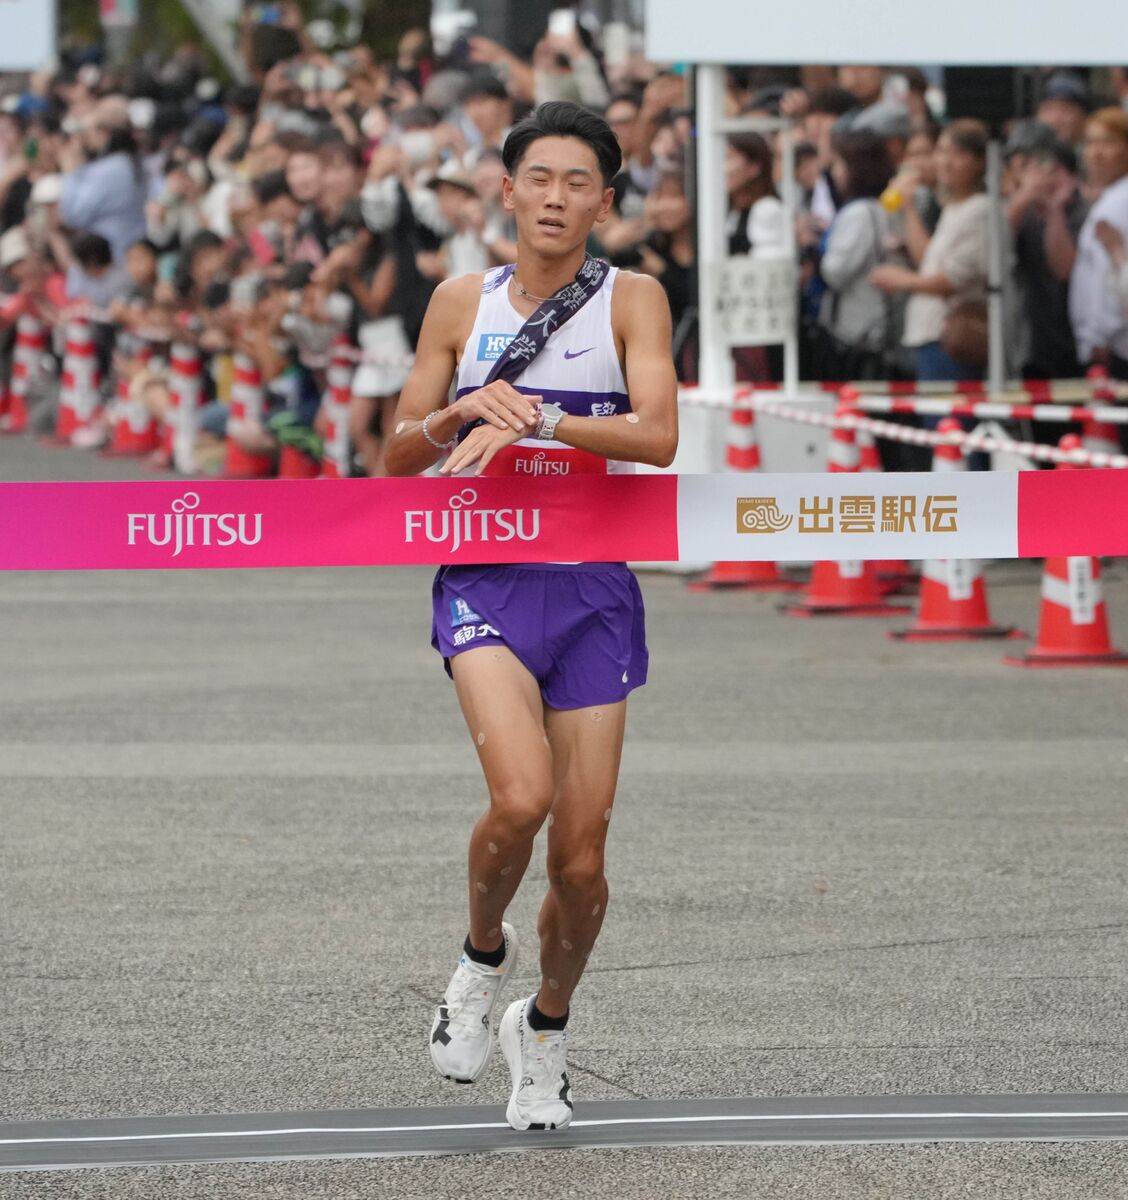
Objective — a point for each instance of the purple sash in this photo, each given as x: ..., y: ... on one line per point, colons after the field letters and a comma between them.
x: 533, y: 336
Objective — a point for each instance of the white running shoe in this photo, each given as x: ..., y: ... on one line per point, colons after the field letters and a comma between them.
x: 542, y: 1095
x: 462, y: 1032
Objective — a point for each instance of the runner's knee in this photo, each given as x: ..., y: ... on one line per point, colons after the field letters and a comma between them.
x: 522, y: 805
x: 577, y: 873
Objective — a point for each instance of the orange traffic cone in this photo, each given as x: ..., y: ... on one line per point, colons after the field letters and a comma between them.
x: 31, y: 346
x: 953, y: 594
x: 851, y: 588
x: 336, y: 463
x: 1073, y: 630
x: 247, y: 399
x: 1100, y: 437
x: 80, y: 384
x: 953, y: 606
x: 742, y: 453
x: 135, y: 429
x: 894, y: 574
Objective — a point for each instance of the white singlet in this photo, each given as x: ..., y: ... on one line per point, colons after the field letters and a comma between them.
x: 577, y: 369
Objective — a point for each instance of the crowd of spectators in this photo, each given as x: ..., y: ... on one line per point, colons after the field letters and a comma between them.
x: 326, y: 198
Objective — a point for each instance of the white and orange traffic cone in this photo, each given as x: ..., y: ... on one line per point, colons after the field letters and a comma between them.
x: 80, y: 384
x: 848, y: 588
x: 742, y: 454
x: 248, y: 401
x: 27, y: 359
x: 186, y: 394
x: 953, y: 593
x: 134, y: 429
x: 1073, y: 630
x: 894, y: 574
x: 338, y: 392
x: 1100, y: 437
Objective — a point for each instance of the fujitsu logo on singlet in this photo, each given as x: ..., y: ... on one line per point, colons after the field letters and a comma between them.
x: 459, y: 523
x: 185, y: 527
x: 541, y: 464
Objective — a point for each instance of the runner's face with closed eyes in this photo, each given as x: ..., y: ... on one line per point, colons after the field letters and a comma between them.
x: 556, y: 194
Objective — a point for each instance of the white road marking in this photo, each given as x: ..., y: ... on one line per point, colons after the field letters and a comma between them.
x: 581, y: 1124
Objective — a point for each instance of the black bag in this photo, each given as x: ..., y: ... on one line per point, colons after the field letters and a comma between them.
x: 838, y: 361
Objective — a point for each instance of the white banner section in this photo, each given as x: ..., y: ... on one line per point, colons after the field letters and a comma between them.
x: 886, y: 31
x: 788, y: 518
x: 27, y: 34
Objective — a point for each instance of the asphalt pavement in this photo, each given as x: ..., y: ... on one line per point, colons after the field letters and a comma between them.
x: 235, y: 808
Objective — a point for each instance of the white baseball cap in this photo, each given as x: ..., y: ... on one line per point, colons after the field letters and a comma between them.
x: 47, y: 190
x: 14, y: 247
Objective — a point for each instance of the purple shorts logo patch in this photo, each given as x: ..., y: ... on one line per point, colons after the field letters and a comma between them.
x: 462, y: 614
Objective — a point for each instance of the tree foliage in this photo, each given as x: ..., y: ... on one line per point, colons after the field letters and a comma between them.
x: 165, y: 24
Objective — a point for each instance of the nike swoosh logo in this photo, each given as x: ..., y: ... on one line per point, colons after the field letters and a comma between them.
x: 576, y: 354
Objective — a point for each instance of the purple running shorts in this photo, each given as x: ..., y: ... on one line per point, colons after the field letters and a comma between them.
x: 578, y: 629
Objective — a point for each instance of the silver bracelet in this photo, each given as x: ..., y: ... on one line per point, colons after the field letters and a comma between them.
x: 427, y: 433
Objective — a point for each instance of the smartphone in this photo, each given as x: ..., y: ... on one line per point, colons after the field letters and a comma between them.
x: 268, y: 14
x: 167, y: 266
x: 562, y: 22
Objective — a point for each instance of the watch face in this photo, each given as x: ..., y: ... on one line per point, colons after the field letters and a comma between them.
x: 552, y: 414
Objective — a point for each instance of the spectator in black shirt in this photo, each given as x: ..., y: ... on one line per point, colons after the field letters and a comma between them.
x: 667, y: 253
x: 623, y: 231
x: 1046, y: 212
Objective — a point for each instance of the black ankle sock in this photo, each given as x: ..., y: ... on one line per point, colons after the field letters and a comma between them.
x: 488, y: 958
x: 539, y: 1022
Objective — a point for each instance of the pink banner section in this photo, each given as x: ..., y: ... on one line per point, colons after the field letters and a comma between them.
x: 1072, y: 513
x: 590, y: 518
x: 333, y: 523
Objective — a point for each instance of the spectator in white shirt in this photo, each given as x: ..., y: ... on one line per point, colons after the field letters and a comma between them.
x: 1100, y: 324
x: 953, y: 267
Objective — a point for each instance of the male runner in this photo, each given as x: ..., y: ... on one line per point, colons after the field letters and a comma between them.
x: 565, y: 362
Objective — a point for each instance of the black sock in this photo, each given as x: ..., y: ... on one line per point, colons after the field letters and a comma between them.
x: 488, y: 958
x: 539, y: 1022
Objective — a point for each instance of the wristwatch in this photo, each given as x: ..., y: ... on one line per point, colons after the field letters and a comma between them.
x: 550, y: 415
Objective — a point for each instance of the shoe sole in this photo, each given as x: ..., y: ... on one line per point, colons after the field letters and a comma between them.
x: 506, y: 973
x: 510, y: 1041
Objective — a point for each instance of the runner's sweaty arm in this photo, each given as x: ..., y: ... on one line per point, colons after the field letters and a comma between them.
x: 445, y: 329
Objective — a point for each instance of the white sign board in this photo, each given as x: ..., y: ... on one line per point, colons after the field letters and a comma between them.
x: 27, y: 34
x: 957, y: 32
x: 756, y: 300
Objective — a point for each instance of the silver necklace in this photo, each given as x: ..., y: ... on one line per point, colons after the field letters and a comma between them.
x: 528, y: 295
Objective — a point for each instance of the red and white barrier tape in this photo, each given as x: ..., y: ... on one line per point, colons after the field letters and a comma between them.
x: 641, y: 518
x: 1028, y: 390
x: 992, y: 411
x: 996, y: 409
x: 924, y: 437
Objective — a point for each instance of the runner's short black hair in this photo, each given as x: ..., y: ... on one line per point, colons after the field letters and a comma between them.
x: 562, y: 118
